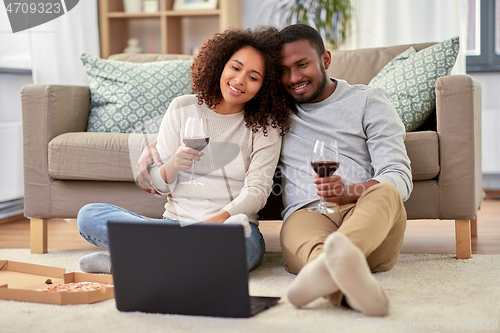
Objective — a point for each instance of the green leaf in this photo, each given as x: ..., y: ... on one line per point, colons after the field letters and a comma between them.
x: 330, y: 17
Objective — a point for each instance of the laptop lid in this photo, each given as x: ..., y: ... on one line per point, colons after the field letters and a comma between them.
x: 193, y: 270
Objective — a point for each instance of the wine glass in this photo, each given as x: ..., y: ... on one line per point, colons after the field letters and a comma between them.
x: 324, y: 161
x: 196, y: 137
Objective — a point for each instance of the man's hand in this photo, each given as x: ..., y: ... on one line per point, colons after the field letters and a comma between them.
x: 333, y: 189
x: 149, y: 155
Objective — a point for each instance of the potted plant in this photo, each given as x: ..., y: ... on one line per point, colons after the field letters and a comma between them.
x: 330, y: 17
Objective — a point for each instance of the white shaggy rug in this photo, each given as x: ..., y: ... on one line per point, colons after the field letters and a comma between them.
x: 428, y: 293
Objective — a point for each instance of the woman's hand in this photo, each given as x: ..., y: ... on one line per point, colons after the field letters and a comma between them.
x: 181, y: 160
x: 184, y: 157
x: 220, y: 217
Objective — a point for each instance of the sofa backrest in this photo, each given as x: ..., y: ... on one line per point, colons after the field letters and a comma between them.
x: 148, y: 57
x: 360, y: 66
x: 354, y: 66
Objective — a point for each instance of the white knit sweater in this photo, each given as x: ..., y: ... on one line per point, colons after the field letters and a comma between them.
x: 236, y: 170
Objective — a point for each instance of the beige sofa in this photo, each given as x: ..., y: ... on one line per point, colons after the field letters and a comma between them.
x: 66, y: 167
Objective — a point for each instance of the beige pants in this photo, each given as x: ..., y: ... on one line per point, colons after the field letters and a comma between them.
x: 376, y: 224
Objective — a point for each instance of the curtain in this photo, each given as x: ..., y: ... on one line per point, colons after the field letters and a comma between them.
x: 56, y: 46
x: 14, y: 48
x: 394, y: 22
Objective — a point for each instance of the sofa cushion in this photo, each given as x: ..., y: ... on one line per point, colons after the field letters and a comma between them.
x: 126, y: 96
x: 360, y: 66
x: 410, y: 80
x: 113, y: 156
x: 423, y: 150
x: 95, y: 156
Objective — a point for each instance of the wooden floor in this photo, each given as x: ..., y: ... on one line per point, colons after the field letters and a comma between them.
x: 422, y: 236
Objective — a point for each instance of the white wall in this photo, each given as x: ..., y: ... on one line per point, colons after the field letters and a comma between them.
x: 253, y: 12
x: 14, y: 48
x: 490, y: 82
x: 11, y: 159
x: 14, y: 53
x: 10, y: 96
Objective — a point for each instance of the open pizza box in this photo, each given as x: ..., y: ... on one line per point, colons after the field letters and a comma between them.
x: 23, y: 282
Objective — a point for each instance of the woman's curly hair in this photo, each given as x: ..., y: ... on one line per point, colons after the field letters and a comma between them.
x: 271, y: 106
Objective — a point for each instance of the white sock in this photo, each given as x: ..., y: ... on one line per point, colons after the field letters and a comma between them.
x: 350, y: 271
x: 98, y: 262
x: 313, y: 281
x: 240, y: 219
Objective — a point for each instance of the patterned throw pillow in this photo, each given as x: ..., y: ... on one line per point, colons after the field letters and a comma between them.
x: 131, y: 97
x: 410, y: 80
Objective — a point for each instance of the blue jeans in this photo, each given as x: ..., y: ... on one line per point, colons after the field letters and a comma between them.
x: 92, y: 225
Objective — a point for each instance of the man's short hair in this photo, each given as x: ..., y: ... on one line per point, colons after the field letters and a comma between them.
x: 295, y: 32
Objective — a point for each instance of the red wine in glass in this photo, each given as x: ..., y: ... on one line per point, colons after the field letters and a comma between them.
x: 324, y: 161
x: 196, y: 143
x: 195, y: 136
x: 325, y: 168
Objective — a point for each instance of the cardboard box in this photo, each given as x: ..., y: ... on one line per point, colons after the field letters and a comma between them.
x: 20, y: 282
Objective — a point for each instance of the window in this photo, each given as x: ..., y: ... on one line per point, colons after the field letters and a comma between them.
x: 483, y: 44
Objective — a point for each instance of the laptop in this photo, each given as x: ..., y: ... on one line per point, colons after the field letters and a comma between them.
x: 198, y: 269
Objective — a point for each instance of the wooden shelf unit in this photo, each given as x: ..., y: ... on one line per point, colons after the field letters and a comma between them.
x: 114, y: 23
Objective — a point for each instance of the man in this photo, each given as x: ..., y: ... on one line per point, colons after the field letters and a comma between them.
x: 335, y: 254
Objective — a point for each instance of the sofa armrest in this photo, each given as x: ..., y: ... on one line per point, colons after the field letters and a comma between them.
x: 48, y: 111
x: 458, y: 111
x: 55, y: 109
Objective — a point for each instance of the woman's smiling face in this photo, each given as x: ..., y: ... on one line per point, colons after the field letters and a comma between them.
x: 242, y: 78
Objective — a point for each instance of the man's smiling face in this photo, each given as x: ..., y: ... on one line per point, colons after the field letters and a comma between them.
x: 303, y: 72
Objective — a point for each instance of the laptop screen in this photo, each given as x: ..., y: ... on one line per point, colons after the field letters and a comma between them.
x: 198, y: 269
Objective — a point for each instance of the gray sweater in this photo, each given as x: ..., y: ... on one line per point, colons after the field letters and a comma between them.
x: 370, y: 137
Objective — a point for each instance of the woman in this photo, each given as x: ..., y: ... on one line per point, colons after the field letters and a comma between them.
x: 236, y: 79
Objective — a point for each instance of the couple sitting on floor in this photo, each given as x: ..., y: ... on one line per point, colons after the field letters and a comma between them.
x: 265, y: 94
